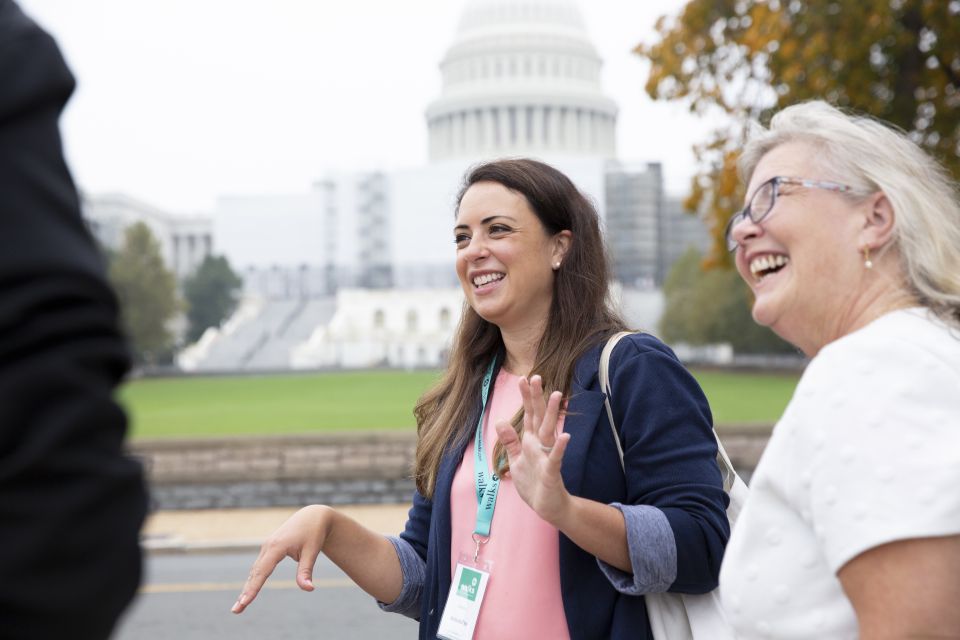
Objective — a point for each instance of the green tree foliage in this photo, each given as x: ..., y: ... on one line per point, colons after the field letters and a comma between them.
x: 147, y: 293
x: 211, y: 294
x: 713, y: 307
x: 894, y: 59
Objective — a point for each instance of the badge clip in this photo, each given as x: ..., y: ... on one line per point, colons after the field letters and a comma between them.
x: 479, y: 540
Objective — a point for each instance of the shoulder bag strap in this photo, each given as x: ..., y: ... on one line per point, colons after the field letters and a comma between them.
x: 726, y: 467
x: 605, y: 385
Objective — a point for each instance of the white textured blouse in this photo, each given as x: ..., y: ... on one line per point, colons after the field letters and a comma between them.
x: 867, y: 452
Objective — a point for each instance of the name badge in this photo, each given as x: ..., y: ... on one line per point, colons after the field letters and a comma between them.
x: 463, y: 603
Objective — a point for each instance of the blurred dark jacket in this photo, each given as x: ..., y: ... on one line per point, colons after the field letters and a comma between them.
x: 71, y: 502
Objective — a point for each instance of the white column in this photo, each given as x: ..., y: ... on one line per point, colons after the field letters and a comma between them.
x: 573, y: 142
x: 526, y: 129
x: 456, y: 132
x: 459, y: 133
x: 550, y: 127
x: 602, y: 138
x: 449, y: 136
x: 549, y: 136
x: 539, y: 128
x: 594, y: 131
x: 506, y: 128
x: 586, y: 125
x: 487, y: 129
x: 476, y: 135
x: 440, y: 126
x: 473, y: 137
x: 520, y: 122
x: 484, y: 129
x: 563, y: 129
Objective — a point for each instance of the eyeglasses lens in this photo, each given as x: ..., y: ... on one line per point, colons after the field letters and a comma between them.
x: 759, y: 206
x: 762, y: 201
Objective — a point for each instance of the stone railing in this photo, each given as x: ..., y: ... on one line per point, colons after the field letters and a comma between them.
x: 336, y: 468
x: 330, y: 468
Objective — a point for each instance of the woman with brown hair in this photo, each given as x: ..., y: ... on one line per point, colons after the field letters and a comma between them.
x: 522, y: 504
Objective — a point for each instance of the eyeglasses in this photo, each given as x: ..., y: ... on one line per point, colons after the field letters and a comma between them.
x: 764, y: 199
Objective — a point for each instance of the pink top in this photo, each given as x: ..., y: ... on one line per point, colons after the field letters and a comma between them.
x: 523, y: 594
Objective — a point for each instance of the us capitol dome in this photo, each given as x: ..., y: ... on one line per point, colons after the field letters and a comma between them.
x: 360, y: 270
x: 521, y: 78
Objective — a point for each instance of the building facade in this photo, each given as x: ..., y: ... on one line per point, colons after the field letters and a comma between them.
x: 184, y: 241
x: 647, y: 230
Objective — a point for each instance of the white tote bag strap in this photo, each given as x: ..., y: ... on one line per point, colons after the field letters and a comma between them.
x: 605, y: 385
x: 730, y: 477
x: 675, y: 616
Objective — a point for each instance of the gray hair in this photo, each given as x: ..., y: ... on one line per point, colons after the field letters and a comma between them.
x: 871, y: 156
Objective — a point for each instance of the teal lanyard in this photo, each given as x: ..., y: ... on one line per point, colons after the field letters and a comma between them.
x: 487, y: 483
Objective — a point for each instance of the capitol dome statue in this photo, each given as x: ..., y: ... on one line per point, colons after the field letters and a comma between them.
x: 521, y: 77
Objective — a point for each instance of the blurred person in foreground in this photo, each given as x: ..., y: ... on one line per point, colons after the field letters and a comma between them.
x: 569, y: 540
x: 850, y: 241
x: 71, y: 504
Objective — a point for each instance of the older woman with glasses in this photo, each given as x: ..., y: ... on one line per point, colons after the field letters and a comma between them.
x: 850, y: 241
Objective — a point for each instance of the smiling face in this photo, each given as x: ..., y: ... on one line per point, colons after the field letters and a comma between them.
x: 505, y: 257
x: 802, y: 261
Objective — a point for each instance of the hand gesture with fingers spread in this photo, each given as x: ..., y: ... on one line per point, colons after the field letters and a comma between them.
x: 535, y: 459
x: 301, y: 537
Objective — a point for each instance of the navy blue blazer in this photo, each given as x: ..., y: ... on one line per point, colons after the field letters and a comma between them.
x: 664, y: 423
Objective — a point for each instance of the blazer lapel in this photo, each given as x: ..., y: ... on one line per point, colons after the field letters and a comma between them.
x: 583, y: 413
x: 441, y: 520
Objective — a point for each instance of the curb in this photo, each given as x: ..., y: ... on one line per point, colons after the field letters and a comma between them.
x: 175, y: 545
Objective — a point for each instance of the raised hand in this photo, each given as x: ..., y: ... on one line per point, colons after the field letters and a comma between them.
x: 536, y: 458
x: 301, y: 537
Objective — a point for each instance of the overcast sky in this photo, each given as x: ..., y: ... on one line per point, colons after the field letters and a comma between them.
x: 181, y: 101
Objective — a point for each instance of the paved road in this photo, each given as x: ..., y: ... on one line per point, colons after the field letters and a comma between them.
x: 188, y: 597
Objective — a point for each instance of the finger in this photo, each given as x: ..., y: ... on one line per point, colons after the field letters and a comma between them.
x: 548, y: 428
x: 511, y: 441
x: 528, y: 424
x: 536, y: 395
x: 269, y: 558
x: 555, y: 459
x: 308, y: 559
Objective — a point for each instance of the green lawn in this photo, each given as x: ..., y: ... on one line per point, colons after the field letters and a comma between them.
x: 285, y: 404
x: 746, y: 398
x: 279, y: 404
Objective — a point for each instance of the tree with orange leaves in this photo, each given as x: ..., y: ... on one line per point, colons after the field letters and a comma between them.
x: 898, y: 60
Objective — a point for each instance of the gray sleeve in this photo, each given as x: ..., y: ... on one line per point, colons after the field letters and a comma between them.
x: 414, y: 574
x: 652, y: 549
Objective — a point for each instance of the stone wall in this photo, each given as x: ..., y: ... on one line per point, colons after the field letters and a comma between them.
x: 369, y: 467
x: 335, y: 468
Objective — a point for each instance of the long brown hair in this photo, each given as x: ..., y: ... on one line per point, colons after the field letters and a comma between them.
x: 580, y: 315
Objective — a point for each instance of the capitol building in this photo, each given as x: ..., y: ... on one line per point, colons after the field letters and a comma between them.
x: 521, y: 78
x: 358, y: 269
